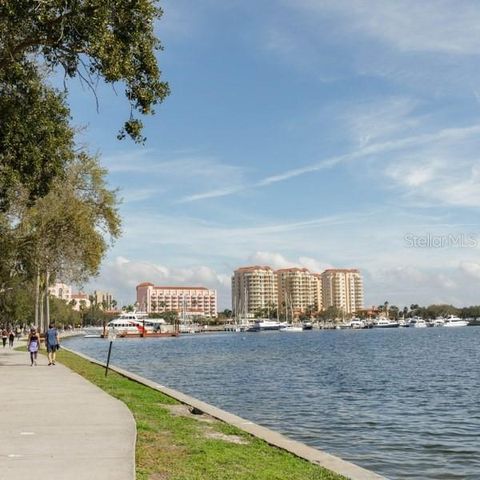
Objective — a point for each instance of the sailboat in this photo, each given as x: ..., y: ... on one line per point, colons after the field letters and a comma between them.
x: 186, y: 326
x: 290, y: 327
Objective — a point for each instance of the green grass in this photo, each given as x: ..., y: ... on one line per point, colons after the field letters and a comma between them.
x: 185, y: 447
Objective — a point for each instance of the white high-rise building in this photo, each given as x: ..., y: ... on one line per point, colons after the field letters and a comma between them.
x: 299, y: 291
x: 253, y: 289
x: 343, y: 289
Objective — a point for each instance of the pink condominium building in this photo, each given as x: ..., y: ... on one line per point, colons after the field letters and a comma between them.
x: 193, y: 300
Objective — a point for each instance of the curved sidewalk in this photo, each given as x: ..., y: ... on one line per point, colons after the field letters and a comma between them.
x: 58, y: 425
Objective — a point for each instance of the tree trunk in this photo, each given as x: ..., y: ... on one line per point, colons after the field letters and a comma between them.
x: 41, y: 311
x: 37, y: 296
x: 47, y: 299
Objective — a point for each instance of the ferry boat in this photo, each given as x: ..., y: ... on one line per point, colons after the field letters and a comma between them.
x: 137, y: 324
x: 454, y: 321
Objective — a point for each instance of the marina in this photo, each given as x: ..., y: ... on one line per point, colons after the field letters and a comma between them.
x: 400, y: 402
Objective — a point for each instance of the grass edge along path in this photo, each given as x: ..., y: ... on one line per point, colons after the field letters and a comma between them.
x: 172, y: 444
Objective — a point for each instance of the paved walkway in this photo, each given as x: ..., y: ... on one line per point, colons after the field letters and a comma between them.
x: 54, y: 424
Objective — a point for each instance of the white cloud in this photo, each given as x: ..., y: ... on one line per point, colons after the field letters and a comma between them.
x: 443, y: 26
x: 471, y: 268
x: 380, y: 119
x: 271, y: 259
x: 444, y: 161
x: 121, y: 275
x: 277, y: 260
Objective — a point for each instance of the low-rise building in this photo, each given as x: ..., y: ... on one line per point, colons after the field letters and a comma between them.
x: 61, y: 291
x: 80, y: 301
x: 193, y: 301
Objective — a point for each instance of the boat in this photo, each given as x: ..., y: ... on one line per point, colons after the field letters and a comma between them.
x: 418, y: 322
x: 438, y: 322
x: 307, y: 326
x: 454, y: 321
x: 93, y: 332
x: 403, y: 323
x: 356, y: 323
x: 265, y: 324
x: 292, y: 328
x: 137, y: 324
x: 383, y: 322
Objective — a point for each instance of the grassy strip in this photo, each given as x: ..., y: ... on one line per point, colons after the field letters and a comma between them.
x: 172, y: 444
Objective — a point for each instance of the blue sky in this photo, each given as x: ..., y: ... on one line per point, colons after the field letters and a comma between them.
x: 302, y: 132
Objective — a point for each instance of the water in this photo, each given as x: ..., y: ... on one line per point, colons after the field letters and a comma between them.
x: 401, y: 402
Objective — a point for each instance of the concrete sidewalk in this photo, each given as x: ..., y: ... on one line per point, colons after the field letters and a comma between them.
x: 56, y: 425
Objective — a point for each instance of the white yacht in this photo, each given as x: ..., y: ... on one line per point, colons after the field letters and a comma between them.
x: 454, y: 321
x: 418, y: 322
x: 356, y: 323
x: 267, y: 324
x: 291, y: 328
x: 438, y: 322
x: 383, y: 322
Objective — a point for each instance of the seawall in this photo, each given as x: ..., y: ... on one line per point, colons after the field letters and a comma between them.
x: 326, y: 460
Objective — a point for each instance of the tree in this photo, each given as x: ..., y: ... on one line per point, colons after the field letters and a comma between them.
x: 66, y: 229
x: 36, y: 140
x: 170, y: 316
x: 153, y: 304
x: 394, y: 312
x: 112, y: 40
x: 331, y: 313
x: 62, y: 314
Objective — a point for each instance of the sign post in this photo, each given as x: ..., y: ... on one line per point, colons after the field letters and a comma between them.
x: 112, y: 335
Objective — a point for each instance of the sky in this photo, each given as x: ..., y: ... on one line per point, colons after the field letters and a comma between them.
x: 315, y: 133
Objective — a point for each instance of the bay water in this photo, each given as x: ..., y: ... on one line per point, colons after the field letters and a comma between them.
x: 401, y: 402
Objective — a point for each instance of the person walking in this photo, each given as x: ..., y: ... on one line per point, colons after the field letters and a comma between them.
x: 33, y: 345
x: 52, y: 343
x: 4, y: 337
x: 11, y: 338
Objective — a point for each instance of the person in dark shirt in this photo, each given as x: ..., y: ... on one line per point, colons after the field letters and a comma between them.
x: 33, y: 345
x: 52, y: 343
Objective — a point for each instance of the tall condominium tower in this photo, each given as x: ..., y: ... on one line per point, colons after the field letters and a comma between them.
x: 299, y: 291
x: 253, y: 288
x: 343, y: 289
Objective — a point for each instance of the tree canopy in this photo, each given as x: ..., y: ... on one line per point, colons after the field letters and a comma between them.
x: 36, y: 139
x: 112, y: 40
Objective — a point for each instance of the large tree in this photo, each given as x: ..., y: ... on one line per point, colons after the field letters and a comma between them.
x: 36, y: 140
x: 109, y: 39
